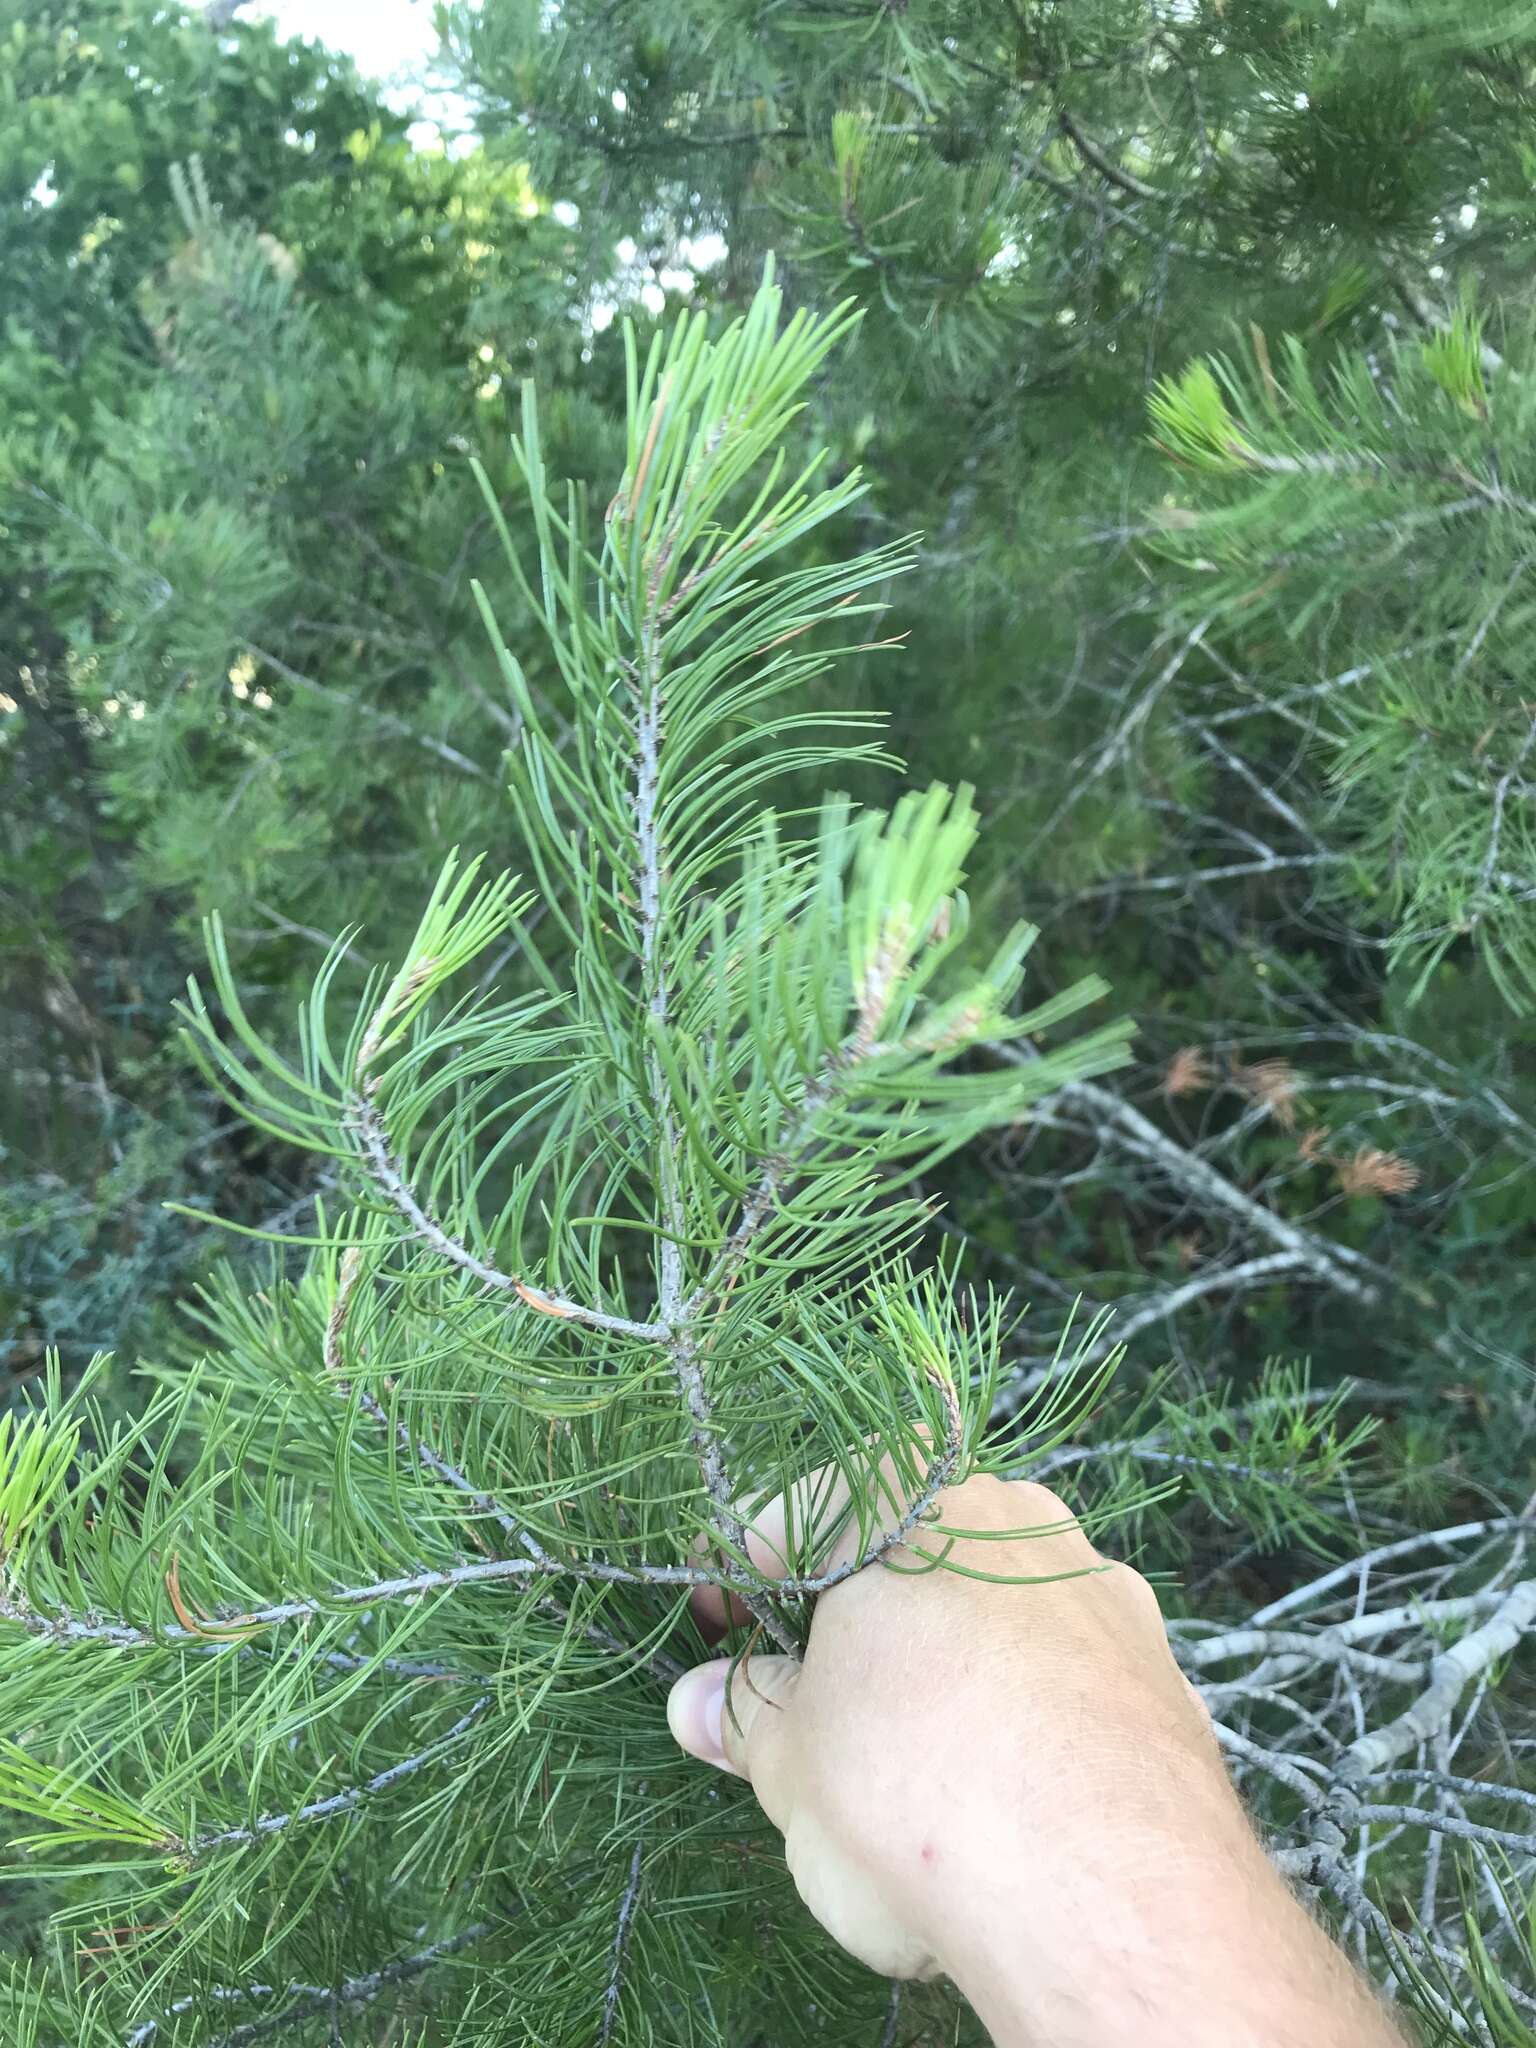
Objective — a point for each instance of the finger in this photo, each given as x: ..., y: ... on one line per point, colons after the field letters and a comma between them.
x: 818, y: 1497
x: 714, y: 1608
x: 816, y: 1501
x: 738, y: 1722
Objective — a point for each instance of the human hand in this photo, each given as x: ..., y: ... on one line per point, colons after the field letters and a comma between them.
x: 1013, y: 1785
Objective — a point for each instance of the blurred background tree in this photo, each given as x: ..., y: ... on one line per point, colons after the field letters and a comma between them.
x: 239, y: 525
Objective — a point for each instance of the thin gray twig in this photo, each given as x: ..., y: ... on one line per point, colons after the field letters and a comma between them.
x: 615, y: 1983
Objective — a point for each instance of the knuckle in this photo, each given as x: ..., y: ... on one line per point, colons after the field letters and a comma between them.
x: 1041, y: 1505
x: 1136, y: 1593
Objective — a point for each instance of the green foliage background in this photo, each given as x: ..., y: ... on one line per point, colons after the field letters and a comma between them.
x: 1197, y: 347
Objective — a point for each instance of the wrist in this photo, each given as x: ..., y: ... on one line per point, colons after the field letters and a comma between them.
x: 1168, y: 1929
x: 1114, y: 1955
x: 1105, y: 1907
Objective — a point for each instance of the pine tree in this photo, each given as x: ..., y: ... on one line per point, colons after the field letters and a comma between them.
x: 1247, y: 735
x: 622, y: 1251
x: 335, y: 1672
x: 1155, y: 743
x: 1409, y: 469
x: 101, y: 99
x: 253, y: 333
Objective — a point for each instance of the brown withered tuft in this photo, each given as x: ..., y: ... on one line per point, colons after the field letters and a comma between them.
x: 1374, y: 1172
x: 1188, y: 1071
x: 1274, y: 1083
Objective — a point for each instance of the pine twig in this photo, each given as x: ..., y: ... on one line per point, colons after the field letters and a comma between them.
x: 941, y: 1471
x: 892, y: 2014
x: 621, y: 1933
x: 336, y: 1371
x: 1105, y: 165
x: 1513, y: 1795
x: 1450, y: 1675
x: 351, y: 1992
x: 666, y: 1667
x: 1448, y: 1825
x: 677, y: 1325
x: 373, y: 1140
x: 759, y: 1204
x: 337, y: 1803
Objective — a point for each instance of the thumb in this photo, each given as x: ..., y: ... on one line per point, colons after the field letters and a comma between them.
x: 736, y: 1722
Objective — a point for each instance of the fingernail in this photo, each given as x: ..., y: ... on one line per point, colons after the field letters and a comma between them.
x: 696, y: 1712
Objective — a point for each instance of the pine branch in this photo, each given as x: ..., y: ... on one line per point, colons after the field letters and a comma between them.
x: 620, y: 1946
x: 1512, y: 1795
x: 352, y: 1993
x: 1284, y: 1770
x: 664, y: 1666
x: 1338, y: 1793
x: 1137, y: 1313
x: 62, y: 1627
x: 1435, y: 322
x: 357, y: 707
x: 1342, y: 463
x: 1287, y: 1651
x: 1341, y: 1635
x: 1450, y: 1675
x: 1195, y: 877
x: 368, y: 1127
x: 1339, y: 1267
x: 1360, y: 1568
x: 1105, y: 165
x: 337, y: 1803
x: 1269, y: 797
x: 1324, y: 1867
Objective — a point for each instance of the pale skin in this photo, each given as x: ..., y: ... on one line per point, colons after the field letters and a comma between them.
x: 1013, y: 1786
